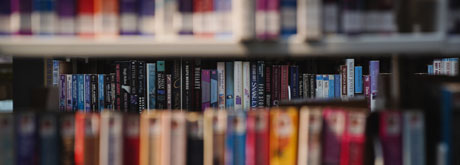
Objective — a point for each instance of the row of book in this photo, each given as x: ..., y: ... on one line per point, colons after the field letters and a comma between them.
x: 138, y: 85
x: 242, y: 19
x: 285, y: 135
x: 445, y: 66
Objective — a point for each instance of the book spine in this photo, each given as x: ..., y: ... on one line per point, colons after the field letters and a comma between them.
x: 276, y: 84
x: 208, y: 15
x: 184, y: 17
x: 315, y: 135
x: 87, y: 93
x: 250, y: 150
x: 352, y: 147
x: 186, y: 86
x: 325, y: 88
x: 302, y: 148
x: 26, y: 139
x: 221, y: 84
x: 67, y: 138
x: 176, y: 85
x: 94, y: 93
x: 268, y: 85
x: 351, y: 17
x: 437, y: 67
x: 334, y: 127
x: 300, y: 85
x: 230, y: 140
x: 125, y: 86
x: 214, y: 88
x: 229, y: 104
x: 56, y: 73
x: 25, y: 19
x: 319, y: 86
x: 151, y: 84
x: 9, y: 17
x: 330, y: 16
x: 131, y: 129
x: 141, y: 90
x: 146, y: 18
x: 331, y: 86
x: 118, y: 96
x: 343, y: 77
x: 367, y: 87
x: 350, y: 77
x: 309, y: 19
x: 111, y: 139
x: 246, y: 86
x: 238, y: 84
x: 374, y: 71
x: 262, y: 131
x: 454, y: 66
x: 197, y: 85
x: 261, y: 83
x: 48, y: 72
x: 244, y: 18
x: 205, y: 89
x: 313, y: 85
x: 109, y: 18
x: 74, y: 92
x: 161, y: 85
x: 88, y: 20
x: 164, y: 13
x: 133, y: 104
x: 62, y: 92
x: 91, y: 138
x: 261, y: 19
x: 283, y: 145
x: 240, y: 138
x: 81, y: 92
x: 390, y: 136
x: 284, y: 94
x: 288, y: 17
x: 413, y: 138
x: 195, y: 139
x: 43, y: 17
x: 445, y: 64
x: 359, y: 79
x: 273, y: 19
x: 306, y: 85
x: 178, y: 138
x: 113, y: 90
x: 168, y: 91
x: 108, y: 92
x: 66, y: 17
x: 254, y: 87
x: 101, y: 96
x: 129, y: 15
x: 337, y: 86
x: 294, y: 82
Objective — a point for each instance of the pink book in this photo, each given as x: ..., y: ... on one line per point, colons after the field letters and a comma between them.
x: 352, y: 148
x: 367, y: 88
x: 273, y: 24
x: 333, y: 131
x: 251, y: 138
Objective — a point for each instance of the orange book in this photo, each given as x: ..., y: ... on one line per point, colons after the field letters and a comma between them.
x: 86, y: 138
x: 150, y: 140
x: 109, y: 18
x: 165, y: 137
x: 283, y: 136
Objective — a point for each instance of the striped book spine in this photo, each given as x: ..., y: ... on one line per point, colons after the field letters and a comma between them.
x: 66, y: 23
x: 221, y: 85
x: 129, y: 15
x: 43, y: 17
x: 25, y: 17
x: 9, y: 17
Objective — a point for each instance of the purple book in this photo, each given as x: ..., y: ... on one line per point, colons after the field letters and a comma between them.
x: 87, y: 93
x: 390, y: 134
x: 185, y: 13
x: 26, y: 139
x: 374, y: 70
x: 261, y: 19
x: 205, y: 89
x: 62, y: 92
x: 66, y: 17
x: 128, y: 16
x: 25, y: 17
x: 146, y: 17
x: 273, y: 24
x: 69, y: 93
x: 8, y: 10
x: 334, y: 127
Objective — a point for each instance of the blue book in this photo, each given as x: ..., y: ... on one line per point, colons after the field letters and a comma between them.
x: 100, y: 89
x: 294, y: 81
x: 43, y: 19
x: 87, y: 93
x: 331, y: 93
x: 325, y: 86
x: 214, y: 88
x: 74, y: 92
x: 337, y: 86
x: 288, y: 14
x: 358, y: 79
x: 26, y: 136
x: 151, y: 84
x: 254, y: 88
x: 319, y: 86
x: 447, y: 101
x: 229, y: 84
x: 81, y: 92
x: 229, y: 140
x: 49, y: 139
x: 56, y: 72
x: 239, y: 135
x: 430, y: 69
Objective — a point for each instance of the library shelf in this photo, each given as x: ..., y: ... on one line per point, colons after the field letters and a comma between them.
x: 139, y: 46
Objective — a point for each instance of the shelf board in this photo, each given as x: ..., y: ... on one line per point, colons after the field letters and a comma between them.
x: 41, y: 46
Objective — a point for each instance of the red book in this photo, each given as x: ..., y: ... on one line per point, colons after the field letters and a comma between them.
x: 251, y: 138
x: 276, y: 85
x: 268, y: 87
x: 390, y: 137
x: 208, y: 11
x: 352, y: 148
x: 131, y: 139
x: 202, y: 17
x: 88, y: 12
x: 333, y: 130
x: 284, y: 82
x: 262, y: 132
x: 86, y: 138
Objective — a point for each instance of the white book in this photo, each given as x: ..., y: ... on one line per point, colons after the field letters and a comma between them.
x: 43, y: 22
x: 413, y: 138
x: 238, y: 84
x: 454, y: 66
x: 319, y: 86
x: 246, y: 85
x: 66, y: 25
x: 109, y: 19
x: 221, y: 85
x: 89, y: 24
x: 111, y: 138
x: 164, y: 15
x: 325, y: 86
x: 445, y: 66
x: 244, y: 19
x: 178, y: 139
x: 437, y: 67
x: 309, y: 19
x: 9, y: 23
x: 350, y: 77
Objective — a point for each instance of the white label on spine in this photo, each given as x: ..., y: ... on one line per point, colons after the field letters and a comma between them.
x: 25, y: 21
x: 350, y: 77
x: 147, y: 25
x: 66, y: 25
x: 128, y: 22
x: 273, y: 22
x: 330, y: 18
x: 86, y: 23
x: 260, y: 22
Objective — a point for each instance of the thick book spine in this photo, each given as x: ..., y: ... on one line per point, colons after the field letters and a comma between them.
x: 325, y: 86
x: 26, y: 139
x: 168, y: 91
x: 352, y: 147
x: 294, y: 81
x: 337, y: 86
x: 198, y: 17
x: 67, y: 138
x: 276, y: 84
x: 194, y: 139
x: 284, y: 89
x: 129, y: 15
x: 151, y: 84
x: 229, y: 104
x: 176, y: 85
x: 184, y: 17
x: 330, y: 16
x: 413, y: 137
x: 125, y: 84
x: 319, y: 86
x: 186, y: 86
x: 334, y: 127
x: 178, y: 138
x: 283, y: 145
x: 221, y: 85
x: 197, y: 85
x: 390, y: 136
x: 89, y: 17
x: 250, y: 156
x: 309, y: 19
x: 87, y: 92
x: 214, y: 88
x: 331, y: 94
x: 108, y: 92
x: 358, y: 79
x: 238, y: 84
x: 133, y: 100
x: 164, y: 14
x: 205, y: 89
x: 350, y: 77
x: 146, y: 18
x: 118, y: 89
x: 161, y: 85
x: 262, y: 132
x: 273, y: 19
x: 352, y: 17
x: 100, y: 95
x: 141, y: 86
x: 374, y: 71
x: 343, y: 78
x: 315, y: 136
x: 246, y: 86
x: 43, y: 17
x: 239, y: 134
x: 254, y: 87
x: 261, y: 19
x: 243, y: 21
x: 74, y: 92
x: 268, y: 85
x: 131, y: 139
x: 62, y: 92
x: 94, y: 93
x: 25, y: 19
x: 288, y: 17
x: 66, y: 17
x: 260, y: 84
x: 81, y: 92
x: 9, y: 17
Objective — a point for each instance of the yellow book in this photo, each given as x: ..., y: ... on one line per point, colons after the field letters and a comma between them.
x: 283, y: 136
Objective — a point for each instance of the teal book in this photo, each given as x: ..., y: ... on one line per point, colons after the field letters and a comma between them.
x: 151, y: 84
x: 229, y: 85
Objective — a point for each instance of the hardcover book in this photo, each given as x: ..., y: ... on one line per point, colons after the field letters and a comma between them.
x: 283, y: 136
x: 26, y: 144
x: 230, y: 140
x: 89, y: 17
x: 250, y: 151
x: 288, y: 16
x: 221, y: 85
x: 262, y: 134
x: 261, y: 19
x: 43, y: 17
x: 238, y: 84
x: 390, y: 132
x: 239, y: 135
x: 333, y: 131
x: 9, y: 17
x: 164, y: 148
x: 87, y: 138
x: 25, y: 19
x: 330, y: 16
x: 67, y: 138
x: 273, y: 19
x: 352, y: 147
x: 229, y: 102
x: 129, y: 12
x: 66, y: 24
x: 183, y: 20
x: 109, y: 18
x: 164, y: 16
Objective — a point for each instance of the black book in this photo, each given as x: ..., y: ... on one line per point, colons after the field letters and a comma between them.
x: 133, y: 102
x: 300, y: 85
x: 186, y: 86
x: 141, y: 92
x: 268, y: 90
x: 312, y: 84
x: 113, y: 94
x: 161, y: 85
x: 176, y: 85
x: 125, y: 83
x: 261, y: 83
x: 117, y: 82
x: 197, y: 86
x: 108, y: 91
x: 194, y: 139
x: 94, y: 92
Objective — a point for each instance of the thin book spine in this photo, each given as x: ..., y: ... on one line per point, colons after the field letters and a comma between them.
x: 229, y: 103
x: 141, y: 90
x: 62, y: 92
x: 284, y: 85
x: 176, y: 85
x: 161, y: 85
x: 350, y: 77
x: 260, y: 83
x: 151, y: 86
x: 358, y: 79
x: 168, y: 91
x: 81, y: 92
x: 268, y: 85
x: 214, y: 88
x: 246, y: 86
x: 205, y: 89
x: 146, y: 18
x: 94, y: 93
x: 87, y: 93
x: 197, y: 85
x: 129, y: 15
x: 101, y: 95
x: 238, y: 84
x: 133, y: 100
x: 254, y: 87
x: 221, y: 84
